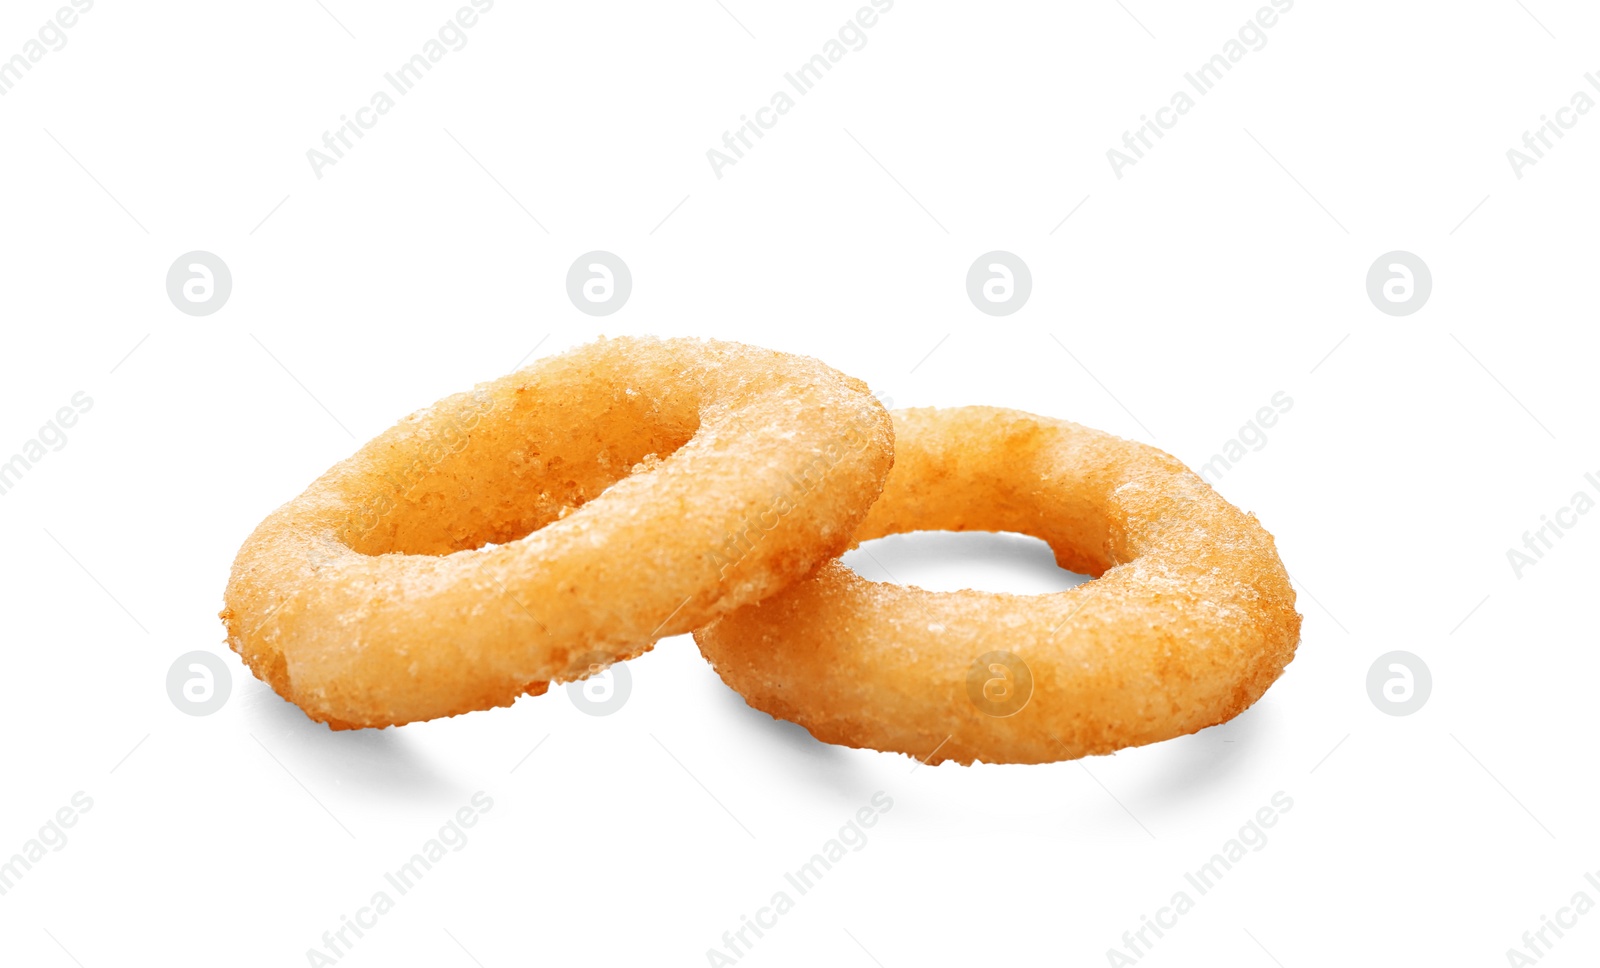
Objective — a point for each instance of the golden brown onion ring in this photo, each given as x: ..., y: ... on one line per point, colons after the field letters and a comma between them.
x: 551, y: 522
x: 1188, y: 621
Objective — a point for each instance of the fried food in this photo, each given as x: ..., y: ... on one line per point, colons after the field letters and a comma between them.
x: 586, y: 506
x: 1189, y: 618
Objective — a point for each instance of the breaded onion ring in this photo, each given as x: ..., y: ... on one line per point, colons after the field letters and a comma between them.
x: 552, y: 522
x: 1188, y: 621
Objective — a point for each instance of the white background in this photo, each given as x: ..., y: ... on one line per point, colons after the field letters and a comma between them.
x: 1226, y: 266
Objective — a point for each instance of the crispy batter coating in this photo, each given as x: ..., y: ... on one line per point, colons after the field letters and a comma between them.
x: 1188, y: 621
x: 551, y: 522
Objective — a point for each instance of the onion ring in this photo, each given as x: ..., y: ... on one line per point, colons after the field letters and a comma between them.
x: 1188, y: 621
x: 497, y: 541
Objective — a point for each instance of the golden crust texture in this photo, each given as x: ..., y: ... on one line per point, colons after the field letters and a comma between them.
x: 1188, y: 621
x: 551, y: 522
